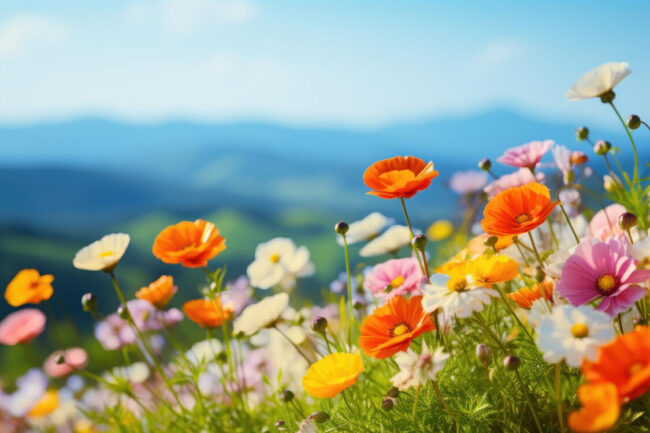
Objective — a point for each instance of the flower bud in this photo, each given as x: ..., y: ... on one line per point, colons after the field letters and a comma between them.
x: 577, y: 158
x: 627, y: 220
x: 341, y: 227
x: 222, y: 357
x: 89, y: 303
x: 610, y: 184
x: 607, y: 97
x: 602, y: 147
x: 387, y: 404
x: 123, y: 312
x: 60, y: 359
x: 420, y: 242
x: 491, y: 241
x: 319, y: 324
x: 393, y: 392
x: 511, y: 362
x: 483, y: 353
x: 286, y: 395
x: 319, y: 416
x: 633, y: 121
x: 582, y: 133
x: 485, y: 164
x: 280, y: 423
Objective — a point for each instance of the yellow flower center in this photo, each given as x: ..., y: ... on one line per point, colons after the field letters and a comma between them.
x: 275, y: 258
x: 457, y: 285
x: 634, y: 369
x: 579, y: 330
x: 400, y: 329
x: 397, y: 281
x: 606, y: 283
x: 106, y: 254
x: 522, y: 218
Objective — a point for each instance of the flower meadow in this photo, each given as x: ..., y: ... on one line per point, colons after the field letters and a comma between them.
x: 529, y: 315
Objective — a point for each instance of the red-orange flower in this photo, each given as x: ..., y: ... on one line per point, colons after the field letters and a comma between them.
x: 517, y: 210
x: 190, y: 243
x: 159, y: 292
x: 207, y: 313
x: 525, y: 297
x: 29, y: 287
x: 392, y: 327
x: 399, y: 177
x: 600, y: 408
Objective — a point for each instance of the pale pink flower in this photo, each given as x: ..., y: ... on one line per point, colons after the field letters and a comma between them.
x: 22, y: 326
x: 464, y: 182
x: 512, y: 180
x: 604, y: 224
x: 395, y: 277
x: 527, y: 155
x: 74, y: 358
x: 562, y: 157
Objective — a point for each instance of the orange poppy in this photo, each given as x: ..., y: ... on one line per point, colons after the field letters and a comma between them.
x: 332, y: 374
x: 525, y: 297
x: 600, y: 408
x: 159, y: 292
x: 207, y: 313
x: 517, y: 210
x: 625, y: 362
x: 29, y: 287
x: 392, y: 327
x: 399, y: 177
x: 190, y: 243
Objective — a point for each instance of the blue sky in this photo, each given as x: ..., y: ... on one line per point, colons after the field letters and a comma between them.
x: 346, y: 63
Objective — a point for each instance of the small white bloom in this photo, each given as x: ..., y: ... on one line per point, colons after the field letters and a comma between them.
x: 307, y: 426
x: 562, y: 157
x: 598, y: 81
x: 416, y: 370
x: 102, y: 255
x: 204, y: 350
x: 365, y: 229
x: 538, y: 311
x: 640, y: 251
x: 138, y: 372
x: 261, y: 315
x: 459, y: 301
x: 573, y: 333
x: 388, y: 242
x: 279, y: 262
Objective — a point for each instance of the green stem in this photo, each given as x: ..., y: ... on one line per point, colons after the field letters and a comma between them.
x: 415, y: 401
x: 558, y: 396
x: 487, y: 329
x: 349, y: 276
x: 295, y: 346
x: 528, y: 400
x: 629, y: 134
x: 444, y: 405
x: 512, y: 312
x: 411, y: 234
x: 532, y: 242
x: 516, y: 241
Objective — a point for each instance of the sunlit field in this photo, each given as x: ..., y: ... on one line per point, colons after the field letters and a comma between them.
x: 528, y: 314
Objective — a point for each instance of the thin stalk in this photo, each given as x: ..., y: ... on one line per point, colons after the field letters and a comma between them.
x: 444, y: 405
x: 532, y: 242
x: 293, y: 344
x: 426, y: 265
x: 516, y: 241
x: 415, y: 401
x: 629, y: 134
x: 528, y: 400
x: 512, y: 312
x: 349, y: 275
x: 552, y: 231
x: 568, y: 220
x: 487, y: 329
x: 411, y: 235
x: 558, y: 396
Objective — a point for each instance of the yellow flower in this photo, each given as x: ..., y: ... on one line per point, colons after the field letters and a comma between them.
x: 440, y: 230
x: 84, y: 426
x: 488, y: 270
x: 332, y: 374
x: 29, y: 287
x: 45, y: 405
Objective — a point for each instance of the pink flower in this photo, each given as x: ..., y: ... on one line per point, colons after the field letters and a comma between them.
x: 603, y: 270
x: 562, y: 157
x: 74, y: 358
x: 394, y: 277
x: 464, y: 182
x: 22, y: 326
x: 512, y: 180
x: 527, y: 155
x: 604, y: 224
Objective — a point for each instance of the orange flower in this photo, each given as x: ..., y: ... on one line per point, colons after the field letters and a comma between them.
x: 392, y: 327
x: 625, y: 362
x: 189, y: 243
x: 399, y: 177
x: 159, y: 292
x: 332, y: 374
x: 476, y: 245
x: 600, y: 408
x: 488, y: 270
x: 207, y: 313
x: 29, y: 287
x: 525, y: 297
x: 517, y: 210
x: 45, y: 405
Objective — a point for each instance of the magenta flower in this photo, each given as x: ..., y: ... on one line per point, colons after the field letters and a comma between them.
x: 22, y: 326
x: 464, y: 182
x: 603, y: 270
x: 604, y: 224
x: 527, y: 155
x: 512, y: 180
x: 394, y: 277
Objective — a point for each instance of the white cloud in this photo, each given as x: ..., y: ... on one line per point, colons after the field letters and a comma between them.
x: 496, y: 52
x: 23, y: 32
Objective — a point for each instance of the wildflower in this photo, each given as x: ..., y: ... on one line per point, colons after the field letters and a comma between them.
x: 237, y: 294
x: 640, y: 251
x: 388, y: 242
x: 137, y: 372
x: 332, y: 374
x: 611, y: 184
x: 63, y: 362
x: 29, y: 287
x: 113, y: 333
x: 455, y: 295
x: 392, y: 327
x: 307, y: 426
x: 600, y: 408
x: 21, y: 326
x: 264, y: 314
x: 604, y: 224
x: 417, y: 370
x: 279, y: 262
x: 102, y: 255
x: 440, y: 230
x: 148, y: 318
x: 399, y: 177
x: 525, y: 297
x: 598, y: 82
x: 603, y: 270
x: 191, y: 244
x: 207, y: 313
x: 29, y: 389
x: 539, y: 310
x: 365, y: 229
x: 520, y: 177
x: 45, y: 405
x: 204, y: 350
x: 573, y: 334
x: 478, y: 244
x: 488, y: 270
x: 159, y: 292
x: 517, y: 210
x: 394, y: 277
x: 527, y: 155
x: 340, y: 285
x: 465, y: 182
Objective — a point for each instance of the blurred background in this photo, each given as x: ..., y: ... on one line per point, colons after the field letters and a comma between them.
x: 262, y: 116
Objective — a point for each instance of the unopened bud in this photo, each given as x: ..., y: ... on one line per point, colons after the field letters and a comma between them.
x: 483, y: 353
x: 607, y: 97
x: 319, y: 416
x: 627, y: 220
x: 341, y: 227
x: 387, y: 404
x: 582, y: 133
x: 287, y: 395
x: 633, y: 121
x: 491, y: 241
x: 319, y: 324
x: 222, y: 357
x: 511, y: 362
x: 89, y: 302
x: 420, y: 242
x: 60, y: 359
x: 123, y: 312
x: 610, y: 184
x: 577, y: 158
x: 485, y: 164
x: 393, y: 392
x: 602, y: 147
x: 280, y: 423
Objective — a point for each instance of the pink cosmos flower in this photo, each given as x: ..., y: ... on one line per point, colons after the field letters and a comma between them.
x: 74, y: 358
x: 22, y: 326
x: 562, y: 157
x: 603, y: 270
x: 527, y: 155
x: 394, y: 277
x: 604, y: 224
x: 512, y: 180
x: 464, y: 182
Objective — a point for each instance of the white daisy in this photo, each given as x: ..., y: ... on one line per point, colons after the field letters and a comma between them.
x: 573, y: 333
x: 262, y: 315
x: 454, y: 298
x: 365, y: 229
x: 416, y: 370
x: 538, y: 312
x: 279, y: 262
x: 599, y: 80
x: 388, y: 242
x: 102, y: 255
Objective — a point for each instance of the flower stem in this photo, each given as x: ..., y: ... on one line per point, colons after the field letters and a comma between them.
x: 444, y: 405
x: 524, y: 389
x: 487, y: 329
x: 295, y: 346
x: 516, y: 241
x: 411, y: 235
x: 521, y: 325
x: 558, y: 396
x: 349, y: 276
x: 415, y: 401
x: 568, y: 220
x: 629, y: 134
x: 532, y: 242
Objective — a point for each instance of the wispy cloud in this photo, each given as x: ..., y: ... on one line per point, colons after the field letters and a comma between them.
x: 496, y: 52
x: 23, y: 32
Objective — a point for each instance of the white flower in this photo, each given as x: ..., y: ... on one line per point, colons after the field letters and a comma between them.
x: 598, y: 81
x: 262, y: 315
x: 388, y: 242
x: 279, y: 262
x: 573, y: 333
x: 538, y: 311
x: 640, y: 251
x: 365, y: 229
x: 459, y: 301
x: 464, y: 182
x: 562, y: 157
x: 307, y: 426
x: 204, y: 350
x: 102, y: 255
x: 416, y: 370
x: 138, y: 372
